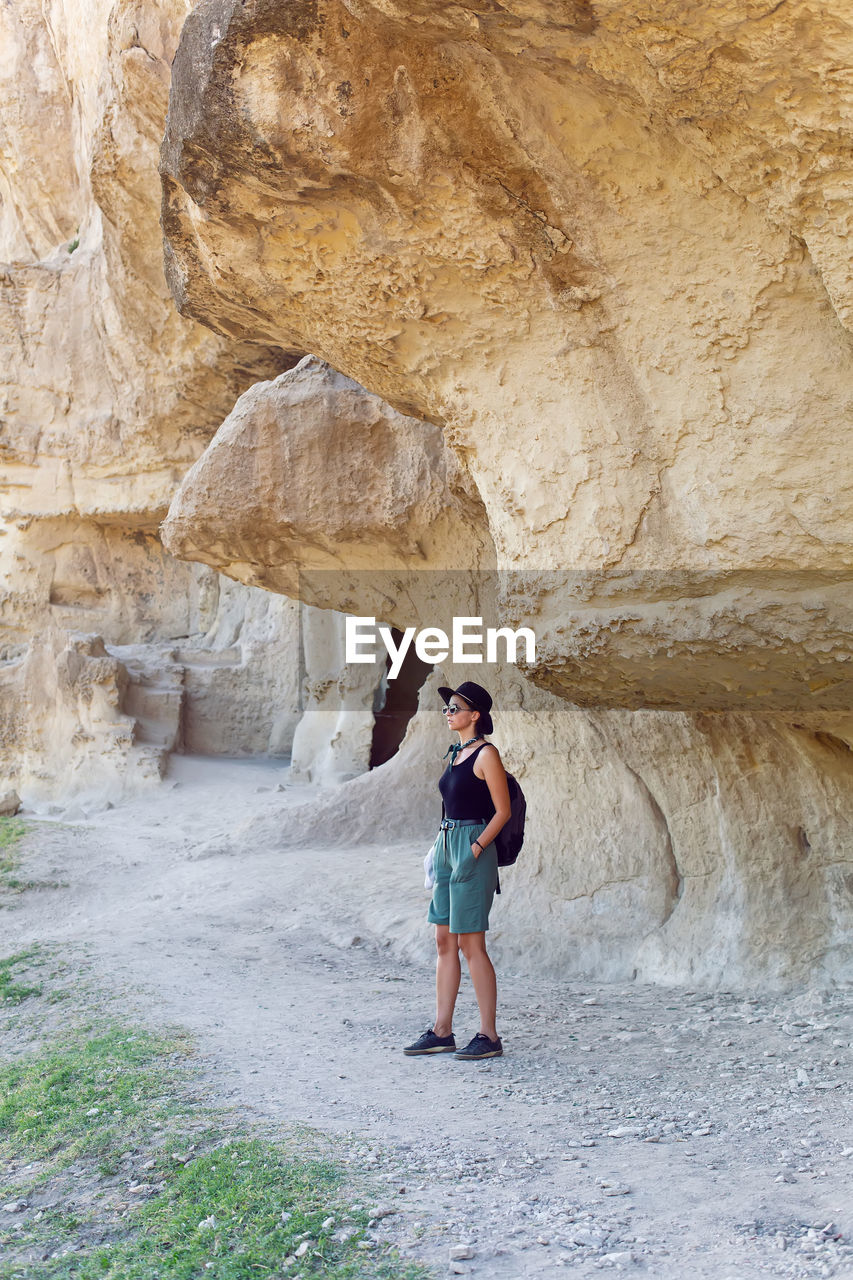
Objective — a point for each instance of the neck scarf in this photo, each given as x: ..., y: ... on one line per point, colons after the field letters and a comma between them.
x: 456, y: 747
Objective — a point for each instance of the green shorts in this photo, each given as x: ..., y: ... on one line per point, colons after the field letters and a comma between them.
x: 464, y: 885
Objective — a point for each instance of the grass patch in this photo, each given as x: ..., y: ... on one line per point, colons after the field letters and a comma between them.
x: 121, y: 1174
x: 87, y: 1097
x: 244, y: 1210
x: 12, y: 992
x: 12, y: 832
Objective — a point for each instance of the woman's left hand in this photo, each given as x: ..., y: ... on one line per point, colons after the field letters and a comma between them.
x: 476, y: 850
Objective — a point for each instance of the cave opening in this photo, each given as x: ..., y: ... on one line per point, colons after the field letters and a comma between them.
x: 395, y: 702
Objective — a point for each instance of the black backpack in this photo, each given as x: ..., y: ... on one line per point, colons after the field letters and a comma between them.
x: 510, y: 838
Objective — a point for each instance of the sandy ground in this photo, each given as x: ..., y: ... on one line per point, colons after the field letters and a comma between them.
x: 659, y: 1132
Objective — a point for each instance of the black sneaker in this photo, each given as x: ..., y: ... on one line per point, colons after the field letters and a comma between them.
x: 481, y: 1047
x: 429, y: 1042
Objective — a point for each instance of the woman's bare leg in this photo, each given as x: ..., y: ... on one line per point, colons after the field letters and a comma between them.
x: 473, y: 948
x: 448, y: 975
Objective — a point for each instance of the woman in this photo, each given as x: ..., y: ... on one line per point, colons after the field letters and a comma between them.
x: 476, y: 804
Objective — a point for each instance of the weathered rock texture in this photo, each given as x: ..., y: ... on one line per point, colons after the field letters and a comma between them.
x: 107, y: 397
x: 704, y: 849
x: 583, y: 271
x: 84, y: 723
x: 604, y: 247
x: 333, y: 739
x: 63, y: 734
x: 311, y: 472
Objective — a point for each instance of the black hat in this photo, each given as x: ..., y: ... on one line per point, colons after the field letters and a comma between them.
x: 477, y: 697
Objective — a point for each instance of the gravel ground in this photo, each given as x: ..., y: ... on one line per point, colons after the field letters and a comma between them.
x: 668, y: 1133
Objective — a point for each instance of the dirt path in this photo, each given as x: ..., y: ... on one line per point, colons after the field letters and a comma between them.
x: 669, y: 1133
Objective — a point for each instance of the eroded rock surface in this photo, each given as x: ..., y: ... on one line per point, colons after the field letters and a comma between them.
x: 604, y: 249
x: 311, y: 472
x: 107, y: 397
x: 63, y: 734
x: 706, y: 849
x: 584, y: 275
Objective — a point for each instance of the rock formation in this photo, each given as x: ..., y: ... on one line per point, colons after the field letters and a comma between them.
x: 312, y: 473
x: 604, y: 251
x: 62, y: 729
x: 108, y: 396
x: 576, y: 288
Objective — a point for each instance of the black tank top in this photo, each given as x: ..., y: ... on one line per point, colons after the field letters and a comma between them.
x: 464, y: 794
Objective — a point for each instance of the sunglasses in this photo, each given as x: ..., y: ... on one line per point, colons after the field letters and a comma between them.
x: 452, y: 709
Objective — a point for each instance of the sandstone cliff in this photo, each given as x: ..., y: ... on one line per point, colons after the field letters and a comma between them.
x: 602, y: 247
x: 108, y: 396
x: 604, y: 250
x: 576, y: 288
